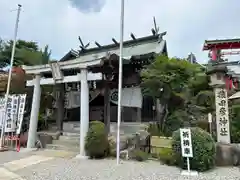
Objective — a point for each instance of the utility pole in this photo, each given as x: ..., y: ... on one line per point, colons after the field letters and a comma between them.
x: 9, y: 77
x: 120, y: 80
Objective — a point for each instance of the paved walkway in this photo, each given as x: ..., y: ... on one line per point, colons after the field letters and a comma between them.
x: 11, y: 162
x: 60, y: 165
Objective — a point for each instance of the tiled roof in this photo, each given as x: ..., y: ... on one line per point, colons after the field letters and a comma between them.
x: 140, y: 46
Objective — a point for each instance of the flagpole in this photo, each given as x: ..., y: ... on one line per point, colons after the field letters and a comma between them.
x: 120, y: 80
x: 9, y: 76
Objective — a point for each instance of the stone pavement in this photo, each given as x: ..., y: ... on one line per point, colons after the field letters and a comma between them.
x: 60, y: 165
x: 11, y: 162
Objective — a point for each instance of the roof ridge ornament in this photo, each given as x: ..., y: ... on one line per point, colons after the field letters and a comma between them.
x: 133, y: 36
x: 82, y: 46
x: 155, y: 30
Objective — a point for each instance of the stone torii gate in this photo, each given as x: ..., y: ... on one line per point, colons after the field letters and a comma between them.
x: 56, y: 69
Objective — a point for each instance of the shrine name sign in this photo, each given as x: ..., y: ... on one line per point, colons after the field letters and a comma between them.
x: 222, y: 115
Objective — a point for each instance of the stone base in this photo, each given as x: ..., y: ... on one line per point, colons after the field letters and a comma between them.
x: 224, y: 155
x: 26, y: 150
x: 2, y: 149
x: 79, y: 156
x: 189, y: 173
x: 45, y: 139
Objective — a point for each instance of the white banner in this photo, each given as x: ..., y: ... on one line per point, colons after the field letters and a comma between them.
x: 13, y: 120
x: 9, y: 124
x: 21, y: 109
x: 72, y: 98
x: 131, y: 97
x: 2, y: 114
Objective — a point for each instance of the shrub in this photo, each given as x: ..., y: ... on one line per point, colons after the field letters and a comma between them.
x: 204, y: 150
x: 174, y: 121
x: 235, y: 123
x: 203, y: 124
x: 166, y: 156
x: 139, y: 155
x: 96, y: 142
x: 154, y: 129
x: 155, y: 155
x: 112, y: 146
x: 235, y: 134
x: 42, y: 125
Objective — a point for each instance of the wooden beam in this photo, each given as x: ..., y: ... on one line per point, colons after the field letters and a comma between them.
x: 79, y: 63
x: 66, y: 79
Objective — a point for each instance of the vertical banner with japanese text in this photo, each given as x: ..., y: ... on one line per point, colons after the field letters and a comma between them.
x: 9, y: 121
x: 2, y: 114
x: 13, y: 117
x: 21, y: 108
x: 14, y: 111
x: 186, y: 142
x: 222, y: 115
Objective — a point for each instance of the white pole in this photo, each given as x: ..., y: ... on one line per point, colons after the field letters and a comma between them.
x: 10, y: 76
x: 210, y: 122
x: 188, y: 165
x: 120, y: 80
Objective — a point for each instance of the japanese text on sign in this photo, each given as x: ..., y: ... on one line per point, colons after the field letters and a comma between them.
x: 22, y: 100
x: 13, y: 116
x: 222, y: 118
x: 186, y: 142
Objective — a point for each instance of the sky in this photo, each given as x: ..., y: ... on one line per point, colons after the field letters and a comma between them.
x: 58, y: 23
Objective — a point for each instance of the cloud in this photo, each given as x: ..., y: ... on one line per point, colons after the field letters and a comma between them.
x: 59, y: 23
x: 88, y: 5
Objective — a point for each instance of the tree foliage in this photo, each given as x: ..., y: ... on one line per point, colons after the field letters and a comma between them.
x: 166, y: 76
x: 26, y: 53
x: 181, y: 87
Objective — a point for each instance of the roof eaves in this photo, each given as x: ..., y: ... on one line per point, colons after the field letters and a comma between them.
x: 71, y: 53
x: 128, y: 43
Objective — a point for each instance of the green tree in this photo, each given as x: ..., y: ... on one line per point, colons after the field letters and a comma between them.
x: 27, y: 53
x: 46, y: 53
x: 177, y: 86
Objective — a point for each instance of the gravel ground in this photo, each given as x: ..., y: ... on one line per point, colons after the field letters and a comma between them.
x: 76, y: 169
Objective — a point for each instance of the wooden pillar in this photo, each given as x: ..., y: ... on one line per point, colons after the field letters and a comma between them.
x: 107, y: 107
x: 60, y: 106
x: 139, y: 115
x: 122, y: 114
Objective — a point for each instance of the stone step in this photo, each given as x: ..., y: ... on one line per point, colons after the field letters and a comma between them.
x: 62, y: 147
x: 71, y: 126
x: 128, y: 128
x: 71, y: 134
x: 69, y: 138
x: 66, y: 142
x: 77, y: 129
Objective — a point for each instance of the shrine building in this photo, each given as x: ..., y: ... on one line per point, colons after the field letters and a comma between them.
x: 86, y: 82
